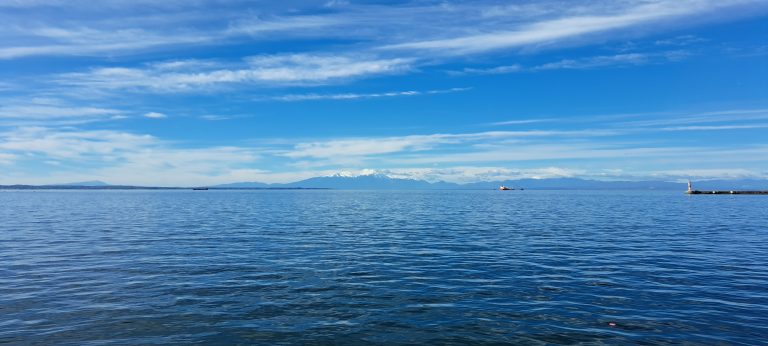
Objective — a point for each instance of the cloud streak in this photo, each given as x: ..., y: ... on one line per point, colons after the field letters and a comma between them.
x: 445, y: 28
x: 118, y: 157
x: 567, y: 27
x: 155, y: 115
x: 362, y: 148
x: 355, y: 96
x: 617, y: 60
x: 131, y: 158
x: 264, y: 70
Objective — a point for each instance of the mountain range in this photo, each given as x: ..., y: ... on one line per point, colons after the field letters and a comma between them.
x: 384, y: 182
x: 380, y: 181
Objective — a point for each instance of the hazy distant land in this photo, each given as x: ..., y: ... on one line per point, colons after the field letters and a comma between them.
x: 383, y: 182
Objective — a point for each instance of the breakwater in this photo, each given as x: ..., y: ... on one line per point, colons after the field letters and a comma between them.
x: 726, y: 192
x: 691, y: 191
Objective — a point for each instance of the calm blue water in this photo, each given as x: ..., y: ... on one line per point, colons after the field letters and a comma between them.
x: 354, y: 267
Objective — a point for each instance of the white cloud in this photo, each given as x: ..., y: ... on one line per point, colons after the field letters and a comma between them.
x: 682, y: 40
x: 363, y: 147
x: 116, y: 28
x: 568, y: 27
x: 117, y: 157
x: 712, y: 173
x: 519, y: 152
x: 598, y: 61
x: 69, y: 144
x: 617, y: 60
x: 124, y: 28
x: 167, y: 166
x: 354, y: 96
x: 472, y: 174
x: 213, y: 117
x: 523, y: 121
x: 34, y: 111
x: 490, y: 70
x: 155, y: 115
x: 305, y: 67
x: 661, y: 121
x: 42, y: 111
x: 305, y: 24
x: 88, y: 42
x: 267, y: 70
x: 131, y: 158
x: 730, y: 116
x: 468, y: 174
x: 6, y: 158
x: 716, y: 127
x: 339, y: 149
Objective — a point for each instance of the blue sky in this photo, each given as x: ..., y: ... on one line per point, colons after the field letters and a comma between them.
x: 203, y: 92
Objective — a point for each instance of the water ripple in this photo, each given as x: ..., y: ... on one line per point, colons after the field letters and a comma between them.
x: 343, y: 267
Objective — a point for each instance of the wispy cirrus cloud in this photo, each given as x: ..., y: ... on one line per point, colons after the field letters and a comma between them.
x: 129, y: 158
x: 382, y: 43
x: 55, y: 29
x: 628, y: 59
x: 155, y: 115
x: 36, y: 112
x: 523, y: 121
x: 6, y: 158
x: 605, y: 155
x: 716, y: 127
x: 653, y: 121
x: 213, y: 60
x: 88, y: 42
x: 72, y: 144
x: 386, y: 145
x: 551, y: 30
x: 504, y: 69
x: 471, y: 174
x: 283, y: 69
x: 681, y: 40
x: 119, y: 157
x: 731, y: 116
x: 708, y: 173
x: 257, y: 27
x: 18, y: 111
x: 605, y: 140
x: 120, y: 28
x: 355, y: 96
x: 214, y: 117
x: 591, y: 62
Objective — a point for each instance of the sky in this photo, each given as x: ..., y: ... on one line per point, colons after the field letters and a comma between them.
x: 204, y: 92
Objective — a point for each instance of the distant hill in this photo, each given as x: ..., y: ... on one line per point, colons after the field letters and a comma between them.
x: 86, y: 183
x: 343, y: 182
x: 368, y: 182
x: 244, y: 185
x: 579, y: 184
x: 384, y: 182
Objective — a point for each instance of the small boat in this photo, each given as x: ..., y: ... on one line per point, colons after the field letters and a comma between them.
x: 199, y: 188
x: 504, y: 188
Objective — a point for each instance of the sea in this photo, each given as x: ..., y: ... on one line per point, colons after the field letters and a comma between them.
x: 328, y: 267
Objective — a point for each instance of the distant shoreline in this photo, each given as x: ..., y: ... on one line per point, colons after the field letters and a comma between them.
x: 118, y: 187
x: 126, y: 188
